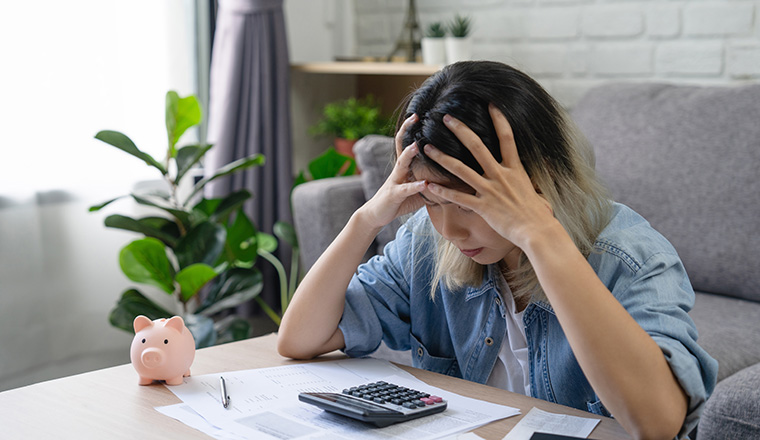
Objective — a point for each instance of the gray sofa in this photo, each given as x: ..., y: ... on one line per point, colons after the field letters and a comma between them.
x: 688, y: 159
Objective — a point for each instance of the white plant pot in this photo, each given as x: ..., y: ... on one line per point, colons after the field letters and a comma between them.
x: 458, y: 49
x: 433, y: 51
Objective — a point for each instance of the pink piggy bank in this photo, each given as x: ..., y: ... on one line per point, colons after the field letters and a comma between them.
x: 162, y: 349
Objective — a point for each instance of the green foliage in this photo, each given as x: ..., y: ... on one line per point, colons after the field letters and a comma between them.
x: 436, y: 30
x: 328, y: 164
x: 352, y: 119
x: 199, y: 251
x: 460, y: 26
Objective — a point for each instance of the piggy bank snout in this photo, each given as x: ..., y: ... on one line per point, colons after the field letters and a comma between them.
x: 152, y: 357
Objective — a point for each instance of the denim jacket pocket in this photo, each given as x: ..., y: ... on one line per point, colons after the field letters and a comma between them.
x: 598, y: 409
x: 421, y: 358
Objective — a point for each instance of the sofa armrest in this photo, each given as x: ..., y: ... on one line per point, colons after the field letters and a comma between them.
x: 733, y: 410
x: 321, y: 208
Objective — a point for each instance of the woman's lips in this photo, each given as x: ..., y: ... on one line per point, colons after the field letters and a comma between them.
x: 471, y: 252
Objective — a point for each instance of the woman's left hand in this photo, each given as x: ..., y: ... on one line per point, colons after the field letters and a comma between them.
x: 504, y: 195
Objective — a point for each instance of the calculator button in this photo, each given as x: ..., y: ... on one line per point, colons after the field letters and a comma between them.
x: 436, y: 399
x: 409, y: 405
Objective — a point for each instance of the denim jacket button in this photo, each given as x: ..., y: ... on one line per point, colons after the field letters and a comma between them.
x: 498, y: 301
x: 489, y: 341
x: 419, y: 351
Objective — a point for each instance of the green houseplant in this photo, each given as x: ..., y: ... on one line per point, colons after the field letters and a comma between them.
x: 351, y: 120
x: 459, y: 44
x: 328, y: 164
x: 200, y: 251
x: 433, y: 46
x: 460, y: 26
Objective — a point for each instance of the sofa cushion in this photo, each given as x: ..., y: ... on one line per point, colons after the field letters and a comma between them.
x: 733, y: 410
x: 729, y: 331
x: 687, y: 159
x: 321, y: 208
x: 374, y: 156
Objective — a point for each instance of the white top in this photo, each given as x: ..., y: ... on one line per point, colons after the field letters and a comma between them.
x: 512, y: 370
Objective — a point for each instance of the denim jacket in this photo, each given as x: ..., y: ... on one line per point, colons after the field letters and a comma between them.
x: 459, y: 333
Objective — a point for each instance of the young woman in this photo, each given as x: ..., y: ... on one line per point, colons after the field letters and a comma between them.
x: 518, y: 272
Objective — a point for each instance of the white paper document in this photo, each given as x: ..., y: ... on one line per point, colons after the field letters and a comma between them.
x: 541, y: 421
x: 264, y: 404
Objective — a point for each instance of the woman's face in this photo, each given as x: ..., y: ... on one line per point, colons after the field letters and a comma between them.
x: 464, y: 228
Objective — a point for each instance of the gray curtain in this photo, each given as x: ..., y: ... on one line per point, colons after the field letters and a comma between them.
x: 249, y: 113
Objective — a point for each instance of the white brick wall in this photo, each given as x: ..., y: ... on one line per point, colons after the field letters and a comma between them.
x: 616, y: 21
x: 572, y: 45
x: 690, y: 58
x: 743, y: 60
x: 709, y: 19
x: 552, y: 23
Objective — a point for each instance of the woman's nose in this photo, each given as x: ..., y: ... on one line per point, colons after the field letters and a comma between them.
x: 453, y: 228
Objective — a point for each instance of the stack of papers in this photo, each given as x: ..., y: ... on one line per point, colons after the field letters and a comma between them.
x: 264, y: 404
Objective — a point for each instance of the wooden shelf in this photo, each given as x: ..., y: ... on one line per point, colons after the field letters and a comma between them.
x: 367, y: 68
x: 313, y: 85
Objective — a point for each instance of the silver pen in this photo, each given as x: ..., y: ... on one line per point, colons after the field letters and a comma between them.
x: 225, y: 397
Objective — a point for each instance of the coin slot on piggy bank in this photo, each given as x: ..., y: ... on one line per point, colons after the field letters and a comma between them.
x: 162, y: 350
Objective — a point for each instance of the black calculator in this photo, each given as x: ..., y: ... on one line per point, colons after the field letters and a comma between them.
x: 379, y: 403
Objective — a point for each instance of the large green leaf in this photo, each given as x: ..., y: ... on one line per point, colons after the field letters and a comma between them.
x: 231, y: 203
x: 266, y: 242
x: 202, y: 328
x: 181, y: 114
x: 131, y: 304
x: 157, y: 227
x: 233, y: 329
x: 192, y: 278
x: 124, y: 143
x: 187, y: 157
x: 231, y: 168
x: 232, y: 288
x: 145, y: 261
x: 286, y: 232
x: 331, y: 164
x: 95, y: 208
x: 239, y: 234
x: 202, y: 244
x: 204, y: 209
x: 160, y: 203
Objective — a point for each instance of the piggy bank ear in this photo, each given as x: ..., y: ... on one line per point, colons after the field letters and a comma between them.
x: 176, y: 323
x: 141, y: 322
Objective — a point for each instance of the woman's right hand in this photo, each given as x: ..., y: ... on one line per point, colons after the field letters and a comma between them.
x: 397, y: 196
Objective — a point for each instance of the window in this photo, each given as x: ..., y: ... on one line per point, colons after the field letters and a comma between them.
x: 76, y: 67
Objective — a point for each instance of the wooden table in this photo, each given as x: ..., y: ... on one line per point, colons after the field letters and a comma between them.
x: 109, y: 404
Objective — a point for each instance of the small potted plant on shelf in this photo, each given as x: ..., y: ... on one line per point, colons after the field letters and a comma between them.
x: 350, y: 120
x: 459, y: 43
x: 433, y: 46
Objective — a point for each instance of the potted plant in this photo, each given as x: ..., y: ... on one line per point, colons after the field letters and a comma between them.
x: 459, y: 44
x: 433, y: 46
x: 326, y: 165
x: 199, y: 251
x: 350, y: 120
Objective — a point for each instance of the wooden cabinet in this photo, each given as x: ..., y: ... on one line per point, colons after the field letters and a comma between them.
x: 315, y: 84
